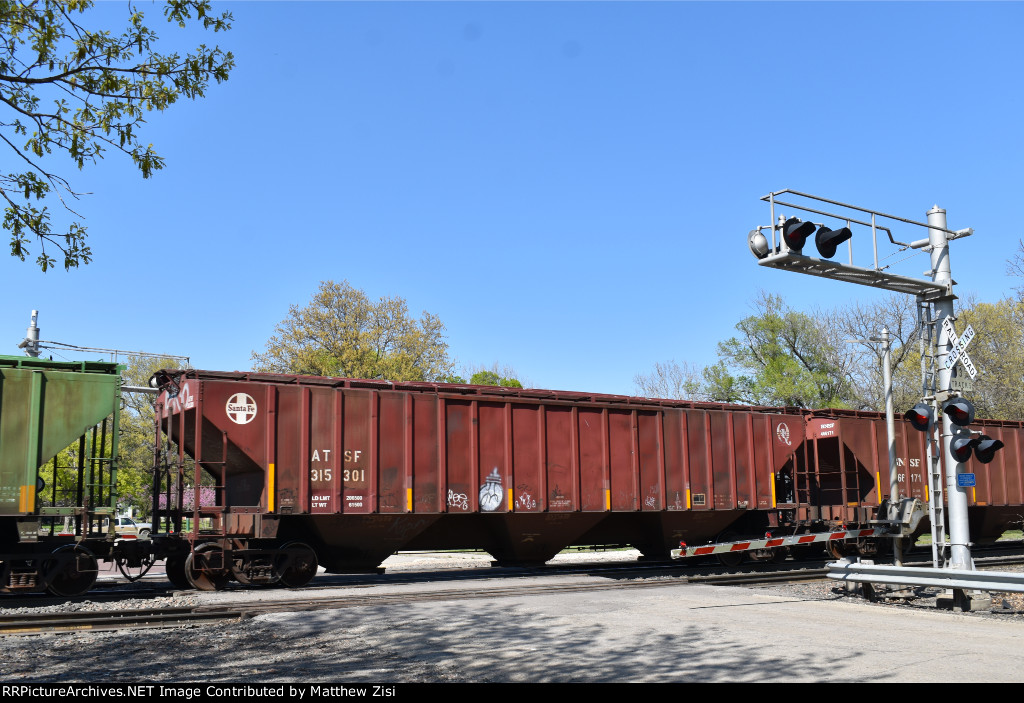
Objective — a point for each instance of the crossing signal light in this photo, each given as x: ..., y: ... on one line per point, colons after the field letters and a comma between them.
x: 961, y: 448
x: 796, y: 232
x: 828, y: 239
x: 985, y: 448
x: 959, y: 410
x: 758, y: 244
x: 920, y: 416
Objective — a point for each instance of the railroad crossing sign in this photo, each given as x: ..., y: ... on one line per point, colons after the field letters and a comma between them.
x: 959, y: 350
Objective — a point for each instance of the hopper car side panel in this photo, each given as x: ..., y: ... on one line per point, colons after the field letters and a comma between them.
x: 359, y: 469
x: 317, y: 453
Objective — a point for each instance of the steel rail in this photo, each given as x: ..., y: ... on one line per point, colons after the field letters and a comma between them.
x: 95, y: 621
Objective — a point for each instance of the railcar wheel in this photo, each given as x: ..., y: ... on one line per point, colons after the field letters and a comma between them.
x: 297, y: 565
x: 835, y: 549
x: 202, y: 570
x: 71, y: 570
x: 175, y: 569
x: 730, y: 559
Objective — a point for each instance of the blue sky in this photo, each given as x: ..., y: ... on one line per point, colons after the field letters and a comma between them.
x: 568, y: 186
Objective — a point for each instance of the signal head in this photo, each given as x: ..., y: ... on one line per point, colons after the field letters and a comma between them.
x: 828, y: 239
x: 985, y: 448
x: 795, y: 233
x: 758, y: 244
x: 961, y: 448
x: 959, y: 410
x: 920, y: 416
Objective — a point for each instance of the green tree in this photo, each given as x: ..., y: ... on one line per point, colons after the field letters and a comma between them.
x: 342, y: 333
x: 84, y: 91
x: 998, y: 353
x: 489, y: 378
x: 781, y: 357
x: 785, y: 357
x: 135, y: 468
x: 62, y: 473
x: 495, y: 375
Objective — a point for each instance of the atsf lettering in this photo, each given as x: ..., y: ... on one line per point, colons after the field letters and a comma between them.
x: 350, y: 456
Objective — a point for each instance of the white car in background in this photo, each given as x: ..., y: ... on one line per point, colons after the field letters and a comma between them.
x: 128, y: 527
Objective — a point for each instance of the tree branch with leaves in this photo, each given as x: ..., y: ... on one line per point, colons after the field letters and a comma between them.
x: 83, y: 92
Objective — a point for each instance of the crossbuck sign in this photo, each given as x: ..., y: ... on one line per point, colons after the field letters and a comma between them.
x: 959, y: 350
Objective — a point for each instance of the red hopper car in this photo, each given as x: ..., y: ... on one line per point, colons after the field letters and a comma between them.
x: 309, y: 471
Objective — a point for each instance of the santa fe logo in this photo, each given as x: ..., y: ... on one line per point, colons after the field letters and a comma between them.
x: 241, y: 408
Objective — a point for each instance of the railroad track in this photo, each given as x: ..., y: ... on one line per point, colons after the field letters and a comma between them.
x: 220, y: 612
x: 95, y: 621
x: 645, y: 576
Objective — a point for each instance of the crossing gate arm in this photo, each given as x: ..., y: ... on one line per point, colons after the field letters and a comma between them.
x: 778, y: 542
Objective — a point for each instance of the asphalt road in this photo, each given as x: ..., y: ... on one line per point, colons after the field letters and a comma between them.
x: 681, y: 633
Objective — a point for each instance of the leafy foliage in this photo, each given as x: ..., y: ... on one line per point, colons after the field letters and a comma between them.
x: 490, y: 378
x: 342, y: 333
x: 84, y: 92
x: 494, y: 375
x: 135, y: 468
x: 998, y: 353
x: 61, y: 474
x: 786, y: 357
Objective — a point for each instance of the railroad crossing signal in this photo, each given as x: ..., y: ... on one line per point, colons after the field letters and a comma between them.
x: 959, y: 350
x: 936, y: 294
x: 920, y: 416
x: 828, y: 239
x: 959, y: 410
x: 985, y: 448
x: 795, y: 233
x: 961, y: 448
